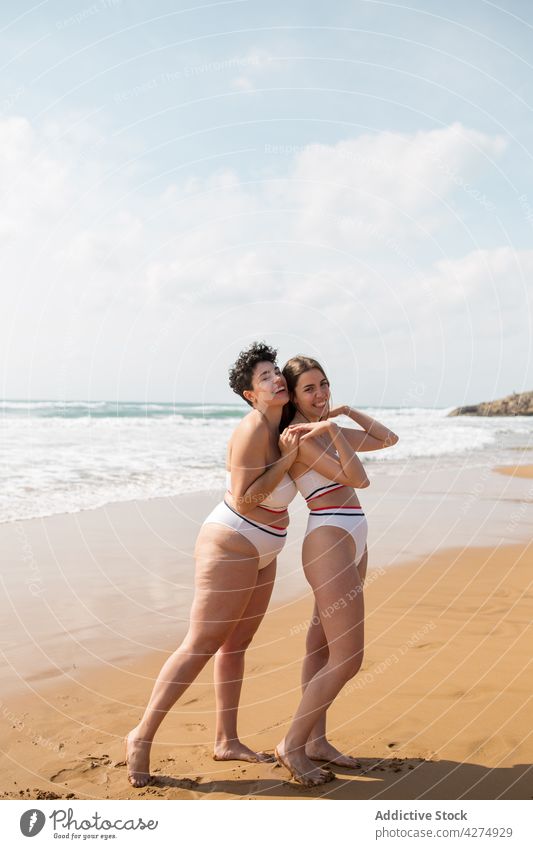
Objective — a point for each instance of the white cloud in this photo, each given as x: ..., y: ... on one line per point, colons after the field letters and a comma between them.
x: 242, y: 84
x: 35, y: 185
x: 495, y: 281
x: 383, y: 184
x: 337, y: 231
x: 371, y: 197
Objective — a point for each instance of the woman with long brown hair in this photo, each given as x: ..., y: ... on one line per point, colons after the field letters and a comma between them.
x: 327, y: 473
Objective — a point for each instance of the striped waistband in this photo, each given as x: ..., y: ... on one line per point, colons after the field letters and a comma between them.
x: 337, y: 511
x: 268, y: 529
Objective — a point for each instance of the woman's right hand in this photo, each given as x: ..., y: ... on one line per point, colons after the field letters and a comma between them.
x: 288, y: 443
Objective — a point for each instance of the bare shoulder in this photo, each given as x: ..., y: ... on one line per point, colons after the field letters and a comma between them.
x: 251, y: 427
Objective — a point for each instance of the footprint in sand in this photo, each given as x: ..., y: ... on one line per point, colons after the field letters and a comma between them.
x: 86, y: 764
x: 164, y: 786
x: 195, y: 726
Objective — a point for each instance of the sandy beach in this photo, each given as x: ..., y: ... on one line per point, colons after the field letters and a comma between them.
x: 218, y: 218
x: 516, y: 471
x: 440, y: 710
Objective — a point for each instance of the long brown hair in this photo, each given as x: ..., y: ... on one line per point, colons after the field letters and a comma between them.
x: 292, y: 371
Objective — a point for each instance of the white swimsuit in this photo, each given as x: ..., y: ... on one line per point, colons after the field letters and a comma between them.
x: 268, y: 540
x: 313, y: 486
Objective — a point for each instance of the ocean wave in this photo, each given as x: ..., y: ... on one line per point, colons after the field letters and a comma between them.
x: 60, y: 463
x: 120, y: 409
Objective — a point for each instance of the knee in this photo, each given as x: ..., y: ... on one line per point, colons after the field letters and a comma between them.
x: 203, y: 644
x: 235, y: 645
x: 348, y: 666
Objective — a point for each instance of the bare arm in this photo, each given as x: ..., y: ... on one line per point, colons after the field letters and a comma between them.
x: 346, y: 468
x: 251, y: 481
x: 374, y: 434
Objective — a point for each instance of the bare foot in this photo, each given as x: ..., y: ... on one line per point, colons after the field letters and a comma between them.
x: 234, y: 750
x: 138, y: 760
x: 302, y: 768
x: 322, y: 750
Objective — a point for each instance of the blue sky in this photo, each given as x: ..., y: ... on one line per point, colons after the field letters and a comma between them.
x: 351, y: 180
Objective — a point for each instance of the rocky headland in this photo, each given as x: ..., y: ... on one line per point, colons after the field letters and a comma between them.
x: 517, y: 404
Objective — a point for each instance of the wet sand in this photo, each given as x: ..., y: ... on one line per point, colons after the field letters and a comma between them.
x: 94, y: 602
x: 516, y: 471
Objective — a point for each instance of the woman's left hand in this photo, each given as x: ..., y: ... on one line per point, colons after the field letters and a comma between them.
x: 310, y: 429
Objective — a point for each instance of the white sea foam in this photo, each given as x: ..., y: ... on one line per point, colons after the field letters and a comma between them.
x: 63, y: 457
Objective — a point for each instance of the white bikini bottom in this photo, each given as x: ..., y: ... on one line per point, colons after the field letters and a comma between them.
x: 266, y: 539
x: 350, y: 519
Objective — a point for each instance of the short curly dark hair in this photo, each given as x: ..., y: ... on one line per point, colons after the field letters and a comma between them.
x: 241, y: 372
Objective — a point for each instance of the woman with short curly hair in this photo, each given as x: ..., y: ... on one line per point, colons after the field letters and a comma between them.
x: 235, y: 554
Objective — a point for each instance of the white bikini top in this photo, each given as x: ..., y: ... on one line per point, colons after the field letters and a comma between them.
x: 279, y: 498
x: 313, y: 485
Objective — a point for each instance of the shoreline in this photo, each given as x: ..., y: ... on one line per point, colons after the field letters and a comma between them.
x: 81, y: 589
x: 133, y: 451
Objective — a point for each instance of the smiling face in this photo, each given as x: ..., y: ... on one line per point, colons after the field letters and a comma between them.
x: 269, y: 388
x: 311, y: 394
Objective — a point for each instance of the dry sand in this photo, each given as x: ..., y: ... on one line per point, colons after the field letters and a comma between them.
x: 440, y: 710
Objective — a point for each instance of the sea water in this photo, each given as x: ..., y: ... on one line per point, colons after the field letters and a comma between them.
x: 66, y: 456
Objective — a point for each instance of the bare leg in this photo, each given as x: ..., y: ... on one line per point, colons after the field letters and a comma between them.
x: 226, y: 574
x: 318, y: 746
x: 338, y: 592
x: 362, y: 566
x: 229, y: 672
